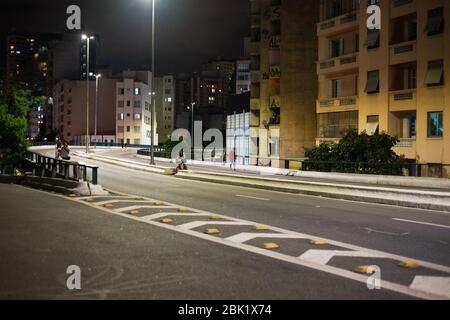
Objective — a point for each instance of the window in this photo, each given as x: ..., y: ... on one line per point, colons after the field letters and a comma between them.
x: 169, y: 99
x: 120, y: 103
x: 274, y: 146
x: 435, y: 24
x: 128, y: 128
x: 373, y: 123
x: 137, y: 91
x: 373, y: 39
x: 147, y: 106
x: 336, y: 48
x: 128, y: 103
x: 412, y: 78
x: 373, y: 81
x: 435, y: 124
x: 435, y: 74
x: 137, y: 129
x: 121, y: 91
x: 137, y: 104
x: 120, y: 116
x: 335, y: 88
x: 137, y: 116
x: 120, y: 129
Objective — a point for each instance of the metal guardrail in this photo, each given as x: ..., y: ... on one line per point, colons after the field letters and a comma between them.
x: 44, y: 166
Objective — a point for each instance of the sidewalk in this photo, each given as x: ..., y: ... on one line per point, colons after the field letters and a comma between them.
x: 400, y: 193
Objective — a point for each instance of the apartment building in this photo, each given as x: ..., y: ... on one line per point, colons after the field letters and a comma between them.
x: 133, y: 109
x: 69, y: 110
x: 243, y: 76
x: 165, y: 106
x: 393, y: 80
x: 283, y: 80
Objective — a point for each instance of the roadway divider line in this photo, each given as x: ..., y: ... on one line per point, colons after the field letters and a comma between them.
x: 324, y: 256
x: 197, y: 224
x: 130, y: 208
x: 422, y: 223
x: 166, y: 214
x: 245, y: 236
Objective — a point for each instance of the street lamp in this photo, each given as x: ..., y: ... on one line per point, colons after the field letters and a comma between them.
x: 87, y: 38
x: 97, y: 76
x: 191, y: 107
x: 152, y: 90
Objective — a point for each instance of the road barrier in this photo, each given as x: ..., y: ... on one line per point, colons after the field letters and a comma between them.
x: 44, y: 166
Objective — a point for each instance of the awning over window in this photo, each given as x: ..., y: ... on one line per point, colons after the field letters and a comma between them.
x: 371, y: 128
x: 435, y: 21
x: 373, y: 37
x: 373, y: 82
x: 435, y: 73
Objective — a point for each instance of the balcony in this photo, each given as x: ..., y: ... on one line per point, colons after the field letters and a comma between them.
x: 338, y: 64
x: 403, y: 52
x: 403, y: 100
x: 406, y: 147
x: 401, y: 8
x: 338, y: 24
x: 337, y: 104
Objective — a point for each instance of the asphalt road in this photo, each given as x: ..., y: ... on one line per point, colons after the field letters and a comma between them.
x: 42, y: 234
x: 124, y: 258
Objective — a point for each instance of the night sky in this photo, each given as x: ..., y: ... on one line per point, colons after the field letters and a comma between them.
x: 188, y: 32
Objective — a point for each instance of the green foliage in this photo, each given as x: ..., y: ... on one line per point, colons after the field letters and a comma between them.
x: 357, y: 153
x: 13, y: 127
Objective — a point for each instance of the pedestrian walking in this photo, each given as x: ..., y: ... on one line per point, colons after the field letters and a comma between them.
x: 65, y: 151
x: 232, y: 156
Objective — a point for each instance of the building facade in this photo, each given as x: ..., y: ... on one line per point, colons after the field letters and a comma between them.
x: 391, y: 80
x: 165, y: 106
x: 133, y: 109
x: 243, y: 76
x: 283, y: 80
x: 69, y: 110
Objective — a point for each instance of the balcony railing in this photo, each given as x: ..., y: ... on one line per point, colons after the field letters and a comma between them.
x: 405, y: 143
x: 339, y: 23
x: 338, y: 64
x: 403, y: 52
x: 403, y: 100
x: 349, y: 102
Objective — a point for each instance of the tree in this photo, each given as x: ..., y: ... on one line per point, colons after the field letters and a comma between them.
x: 358, y: 153
x: 14, y: 109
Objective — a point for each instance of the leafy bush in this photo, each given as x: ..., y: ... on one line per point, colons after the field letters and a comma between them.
x: 357, y: 153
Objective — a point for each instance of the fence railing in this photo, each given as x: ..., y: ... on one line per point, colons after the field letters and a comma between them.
x: 44, y: 166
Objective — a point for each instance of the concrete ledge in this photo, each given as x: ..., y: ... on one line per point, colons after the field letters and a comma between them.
x: 398, y: 197
x: 56, y: 185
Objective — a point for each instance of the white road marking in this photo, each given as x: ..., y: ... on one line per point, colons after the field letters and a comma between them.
x: 246, y: 236
x: 416, y: 291
x: 196, y: 224
x: 130, y: 208
x: 324, y: 256
x: 439, y: 285
x: 250, y: 197
x: 424, y: 223
x: 126, y: 200
x: 165, y: 214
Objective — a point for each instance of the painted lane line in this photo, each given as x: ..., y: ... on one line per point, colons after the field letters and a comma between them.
x: 424, y: 223
x: 253, y: 198
x: 165, y: 214
x: 278, y: 256
x: 128, y: 200
x: 324, y: 256
x: 440, y: 285
x: 144, y: 207
x: 246, y: 236
x: 196, y: 224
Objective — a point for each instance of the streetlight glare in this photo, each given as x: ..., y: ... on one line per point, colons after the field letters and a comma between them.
x: 83, y: 36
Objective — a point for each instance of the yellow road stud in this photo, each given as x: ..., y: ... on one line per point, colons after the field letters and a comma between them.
x: 72, y: 195
x: 215, y: 217
x: 261, y: 228
x: 318, y: 242
x: 90, y: 200
x: 183, y: 210
x: 409, y: 264
x: 134, y: 212
x: 158, y: 203
x: 270, y: 246
x: 108, y: 205
x: 212, y: 231
x: 166, y: 220
x: 365, y: 269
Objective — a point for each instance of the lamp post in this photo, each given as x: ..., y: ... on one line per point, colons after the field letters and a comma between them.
x: 152, y: 90
x: 97, y: 77
x: 191, y: 107
x: 87, y: 38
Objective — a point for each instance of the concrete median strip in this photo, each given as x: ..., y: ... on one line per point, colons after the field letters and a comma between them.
x: 403, y: 196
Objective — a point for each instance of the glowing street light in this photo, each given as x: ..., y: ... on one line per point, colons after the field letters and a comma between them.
x: 87, y: 38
